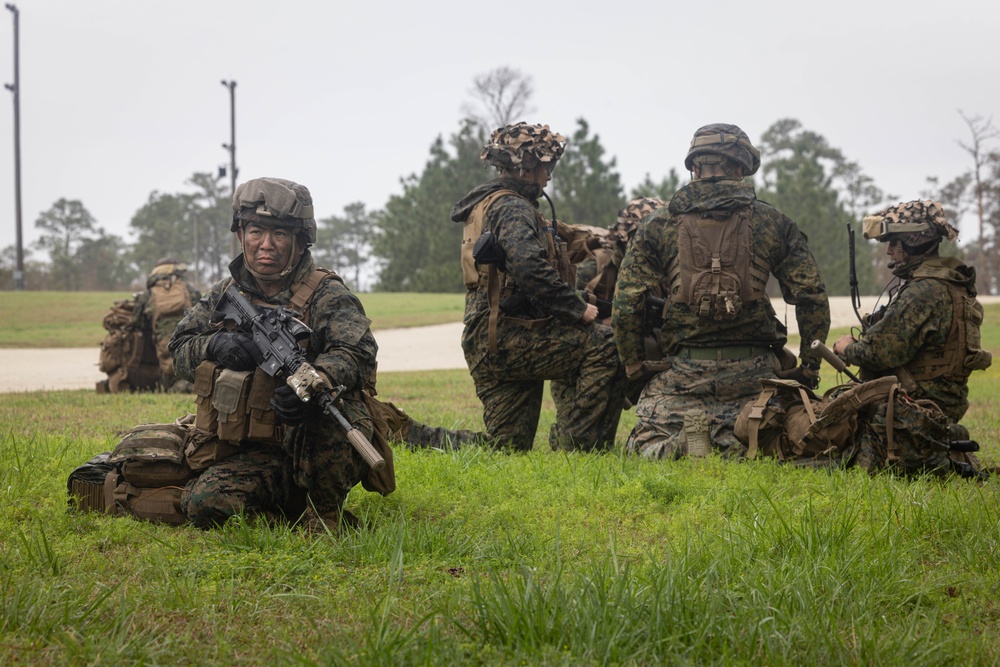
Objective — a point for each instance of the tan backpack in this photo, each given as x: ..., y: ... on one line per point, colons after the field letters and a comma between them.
x: 790, y: 422
x: 128, y: 354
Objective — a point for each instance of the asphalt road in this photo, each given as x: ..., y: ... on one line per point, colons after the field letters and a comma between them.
x: 414, y: 349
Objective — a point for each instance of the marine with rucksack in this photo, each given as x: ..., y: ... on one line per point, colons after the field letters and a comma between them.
x: 714, y: 246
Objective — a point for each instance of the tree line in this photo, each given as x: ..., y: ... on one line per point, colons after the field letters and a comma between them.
x: 410, y: 244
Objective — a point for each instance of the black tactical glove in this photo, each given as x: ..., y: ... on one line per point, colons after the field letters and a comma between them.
x: 289, y: 409
x: 804, y: 375
x: 234, y: 350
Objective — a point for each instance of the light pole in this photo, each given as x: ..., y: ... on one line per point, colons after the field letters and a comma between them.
x: 16, y: 89
x: 231, y: 146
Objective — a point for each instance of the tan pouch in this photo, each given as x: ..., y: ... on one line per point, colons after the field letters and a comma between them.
x: 152, y: 455
x: 207, y: 417
x: 204, y: 449
x: 229, y: 399
x: 159, y: 505
x: 389, y: 423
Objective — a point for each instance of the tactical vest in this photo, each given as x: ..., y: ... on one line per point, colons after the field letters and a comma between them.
x: 498, y: 284
x: 236, y: 405
x: 714, y: 272
x: 961, y: 353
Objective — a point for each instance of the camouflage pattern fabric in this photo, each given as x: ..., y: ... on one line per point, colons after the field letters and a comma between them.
x: 255, y: 480
x: 927, y: 212
x: 720, y: 388
x: 510, y: 384
x: 322, y: 461
x: 522, y: 147
x: 917, y: 320
x: 777, y: 246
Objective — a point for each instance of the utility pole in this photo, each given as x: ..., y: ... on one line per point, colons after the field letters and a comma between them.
x: 16, y: 89
x: 231, y: 147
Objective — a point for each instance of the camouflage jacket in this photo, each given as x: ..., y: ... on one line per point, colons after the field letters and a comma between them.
x: 341, y: 343
x: 777, y: 245
x: 520, y: 230
x: 917, y: 320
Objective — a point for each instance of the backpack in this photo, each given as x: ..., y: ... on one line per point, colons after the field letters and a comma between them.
x: 169, y: 296
x: 128, y: 354
x: 714, y: 272
x: 790, y: 422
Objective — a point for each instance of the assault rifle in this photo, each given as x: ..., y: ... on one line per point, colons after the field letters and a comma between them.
x: 276, y: 333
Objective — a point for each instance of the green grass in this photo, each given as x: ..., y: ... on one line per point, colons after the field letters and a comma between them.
x: 483, y: 558
x: 73, y: 319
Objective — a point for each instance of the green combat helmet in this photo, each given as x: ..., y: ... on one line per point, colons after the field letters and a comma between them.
x: 919, y: 225
x: 270, y: 201
x: 715, y: 143
x: 522, y: 147
x: 633, y: 213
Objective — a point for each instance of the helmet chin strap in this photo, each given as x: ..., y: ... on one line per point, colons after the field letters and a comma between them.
x: 276, y: 277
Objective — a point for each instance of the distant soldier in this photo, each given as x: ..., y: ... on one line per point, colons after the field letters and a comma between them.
x: 525, y: 321
x: 720, y: 333
x: 158, y: 310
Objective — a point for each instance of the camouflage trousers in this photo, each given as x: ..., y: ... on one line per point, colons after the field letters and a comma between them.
x: 718, y: 388
x: 582, y: 359
x: 316, y: 460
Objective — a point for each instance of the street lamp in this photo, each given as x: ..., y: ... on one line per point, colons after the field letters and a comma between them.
x: 15, y: 88
x: 231, y: 146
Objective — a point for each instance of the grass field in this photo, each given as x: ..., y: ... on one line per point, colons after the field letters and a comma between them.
x: 73, y: 319
x: 483, y: 558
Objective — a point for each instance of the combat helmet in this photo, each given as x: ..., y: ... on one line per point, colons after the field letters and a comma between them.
x: 919, y: 225
x: 522, y: 147
x: 633, y: 213
x: 272, y: 202
x: 714, y: 143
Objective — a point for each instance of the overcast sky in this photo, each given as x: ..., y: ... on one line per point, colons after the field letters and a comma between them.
x: 123, y: 97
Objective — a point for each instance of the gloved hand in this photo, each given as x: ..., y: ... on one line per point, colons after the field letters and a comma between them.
x: 290, y: 410
x: 234, y: 350
x: 802, y: 374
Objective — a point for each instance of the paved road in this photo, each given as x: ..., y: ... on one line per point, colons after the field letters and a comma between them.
x: 415, y: 349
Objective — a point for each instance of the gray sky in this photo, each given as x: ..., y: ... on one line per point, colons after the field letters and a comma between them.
x: 123, y: 97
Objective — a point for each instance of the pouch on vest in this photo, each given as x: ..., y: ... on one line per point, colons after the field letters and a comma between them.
x: 204, y: 448
x: 236, y: 405
x: 152, y: 455
x: 159, y: 505
x: 390, y: 423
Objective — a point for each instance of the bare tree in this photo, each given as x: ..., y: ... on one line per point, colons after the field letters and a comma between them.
x: 502, y: 97
x: 982, y: 131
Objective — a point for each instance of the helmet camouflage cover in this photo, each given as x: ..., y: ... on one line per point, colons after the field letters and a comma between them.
x: 522, y: 147
x: 914, y: 223
x: 274, y: 202
x: 633, y: 213
x: 712, y: 144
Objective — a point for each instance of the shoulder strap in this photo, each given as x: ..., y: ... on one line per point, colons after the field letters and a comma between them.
x: 302, y: 293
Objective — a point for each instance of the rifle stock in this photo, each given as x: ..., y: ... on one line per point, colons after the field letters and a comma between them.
x: 831, y: 358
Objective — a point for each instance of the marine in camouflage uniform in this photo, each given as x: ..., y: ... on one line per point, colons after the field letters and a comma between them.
x: 928, y: 336
x: 170, y: 273
x: 714, y: 365
x: 544, y: 330
x: 315, y: 457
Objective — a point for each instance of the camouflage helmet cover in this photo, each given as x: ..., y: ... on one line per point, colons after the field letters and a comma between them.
x: 633, y: 213
x: 914, y: 223
x: 714, y: 143
x: 274, y: 202
x: 523, y: 147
